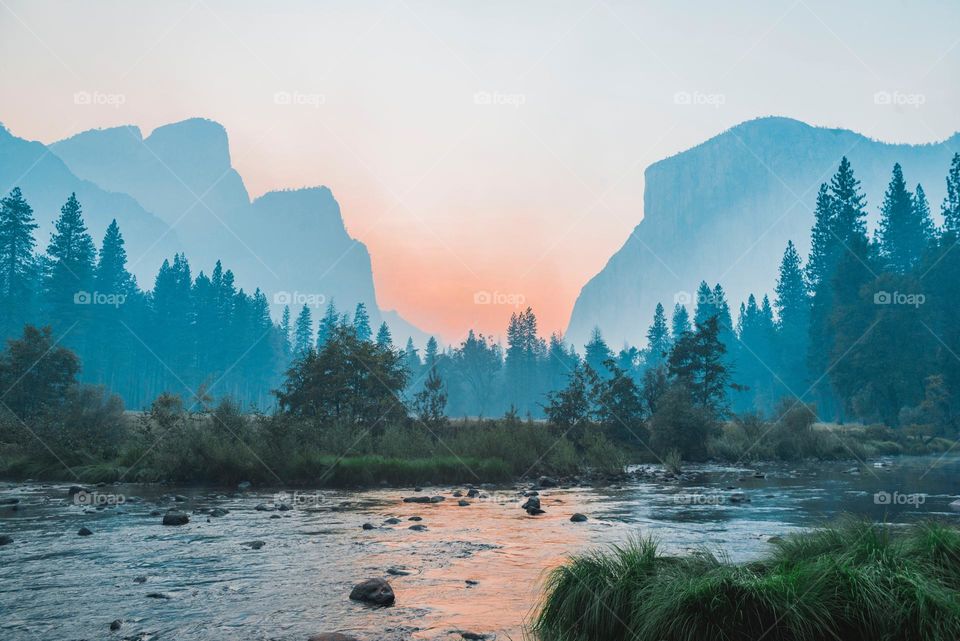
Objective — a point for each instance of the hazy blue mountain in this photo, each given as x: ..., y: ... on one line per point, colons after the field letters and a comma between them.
x: 46, y: 183
x: 292, y: 244
x: 724, y: 210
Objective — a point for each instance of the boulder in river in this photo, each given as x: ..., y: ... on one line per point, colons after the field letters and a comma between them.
x: 175, y: 517
x: 75, y: 489
x: 416, y: 499
x: 578, y: 518
x: 373, y: 591
x: 463, y: 503
x: 392, y: 521
x: 84, y: 531
x: 5, y: 539
x: 219, y: 511
x: 419, y: 527
x: 115, y: 625
x: 415, y: 518
x: 368, y: 526
x: 254, y: 545
x: 473, y: 493
x: 332, y: 636
x: 532, y: 503
x: 263, y: 507
x: 437, y: 499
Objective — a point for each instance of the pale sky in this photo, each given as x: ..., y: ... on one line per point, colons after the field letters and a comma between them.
x: 477, y: 146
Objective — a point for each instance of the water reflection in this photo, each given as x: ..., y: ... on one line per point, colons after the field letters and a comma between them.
x: 475, y: 567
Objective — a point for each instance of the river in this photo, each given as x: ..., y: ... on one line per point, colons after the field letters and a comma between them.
x: 475, y: 568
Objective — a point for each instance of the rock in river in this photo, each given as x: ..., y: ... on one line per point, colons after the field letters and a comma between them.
x: 463, y: 503
x: 175, y: 517
x: 532, y: 503
x: 5, y: 539
x: 416, y: 499
x: 115, y: 625
x: 578, y: 518
x: 254, y: 545
x: 332, y: 636
x: 84, y: 531
x: 418, y: 527
x: 373, y: 591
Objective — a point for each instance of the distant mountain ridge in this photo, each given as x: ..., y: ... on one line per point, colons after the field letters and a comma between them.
x: 293, y: 244
x: 724, y: 210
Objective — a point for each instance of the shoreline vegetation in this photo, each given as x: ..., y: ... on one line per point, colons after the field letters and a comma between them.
x: 853, y: 581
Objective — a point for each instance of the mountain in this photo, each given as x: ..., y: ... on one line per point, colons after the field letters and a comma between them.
x: 46, y: 183
x: 292, y: 244
x: 724, y: 210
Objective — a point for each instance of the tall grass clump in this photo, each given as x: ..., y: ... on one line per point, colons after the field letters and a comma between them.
x: 855, y: 581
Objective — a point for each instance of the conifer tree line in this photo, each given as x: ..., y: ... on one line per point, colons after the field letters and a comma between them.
x: 865, y: 329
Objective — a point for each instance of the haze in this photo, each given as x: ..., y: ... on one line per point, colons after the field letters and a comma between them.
x: 493, y: 146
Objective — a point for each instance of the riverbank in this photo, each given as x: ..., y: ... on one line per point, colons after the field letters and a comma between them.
x: 856, y: 581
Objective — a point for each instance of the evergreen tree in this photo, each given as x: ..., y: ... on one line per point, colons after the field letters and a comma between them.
x: 285, y: 330
x: 596, y: 354
x: 430, y: 402
x: 905, y: 225
x: 525, y: 350
x: 70, y: 272
x: 658, y: 338
x: 328, y: 324
x: 697, y: 364
x: 706, y: 305
x: 951, y: 203
x: 17, y: 264
x: 680, y: 323
x: 361, y: 323
x: 793, y: 322
x: 384, y: 339
x: 430, y: 355
x: 302, y: 333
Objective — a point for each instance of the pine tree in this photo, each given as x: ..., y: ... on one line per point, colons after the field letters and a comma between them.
x: 328, y: 324
x: 822, y: 240
x: 596, y: 353
x: 17, y: 264
x: 111, y: 275
x: 361, y: 323
x: 706, y: 305
x: 285, y: 330
x: 70, y: 273
x: 658, y: 338
x: 303, y: 333
x: 905, y: 225
x: 951, y: 203
x: 384, y: 339
x: 793, y: 322
x: 430, y: 355
x: 411, y: 361
x: 680, y: 323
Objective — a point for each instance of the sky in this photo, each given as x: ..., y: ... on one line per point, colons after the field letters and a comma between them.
x: 493, y: 147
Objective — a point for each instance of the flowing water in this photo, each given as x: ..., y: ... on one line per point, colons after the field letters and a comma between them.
x: 476, y: 568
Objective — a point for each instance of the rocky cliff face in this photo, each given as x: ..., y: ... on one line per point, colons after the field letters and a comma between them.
x: 47, y: 182
x: 176, y: 190
x: 724, y: 210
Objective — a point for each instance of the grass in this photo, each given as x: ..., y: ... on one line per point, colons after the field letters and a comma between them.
x: 855, y: 581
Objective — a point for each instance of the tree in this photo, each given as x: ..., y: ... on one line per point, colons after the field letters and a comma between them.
x: 951, y: 203
x: 17, y: 264
x: 36, y: 373
x: 384, y: 339
x: 697, y: 363
x: 619, y: 406
x: 905, y: 225
x: 792, y: 303
x: 680, y: 323
x: 476, y: 363
x: 706, y: 305
x: 361, y: 322
x: 303, y: 333
x: 572, y: 405
x: 525, y: 350
x: 411, y: 360
x: 72, y: 255
x: 429, y: 403
x: 286, y: 328
x: 596, y: 353
x: 658, y: 338
x: 349, y: 381
x: 328, y: 324
x: 680, y: 423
